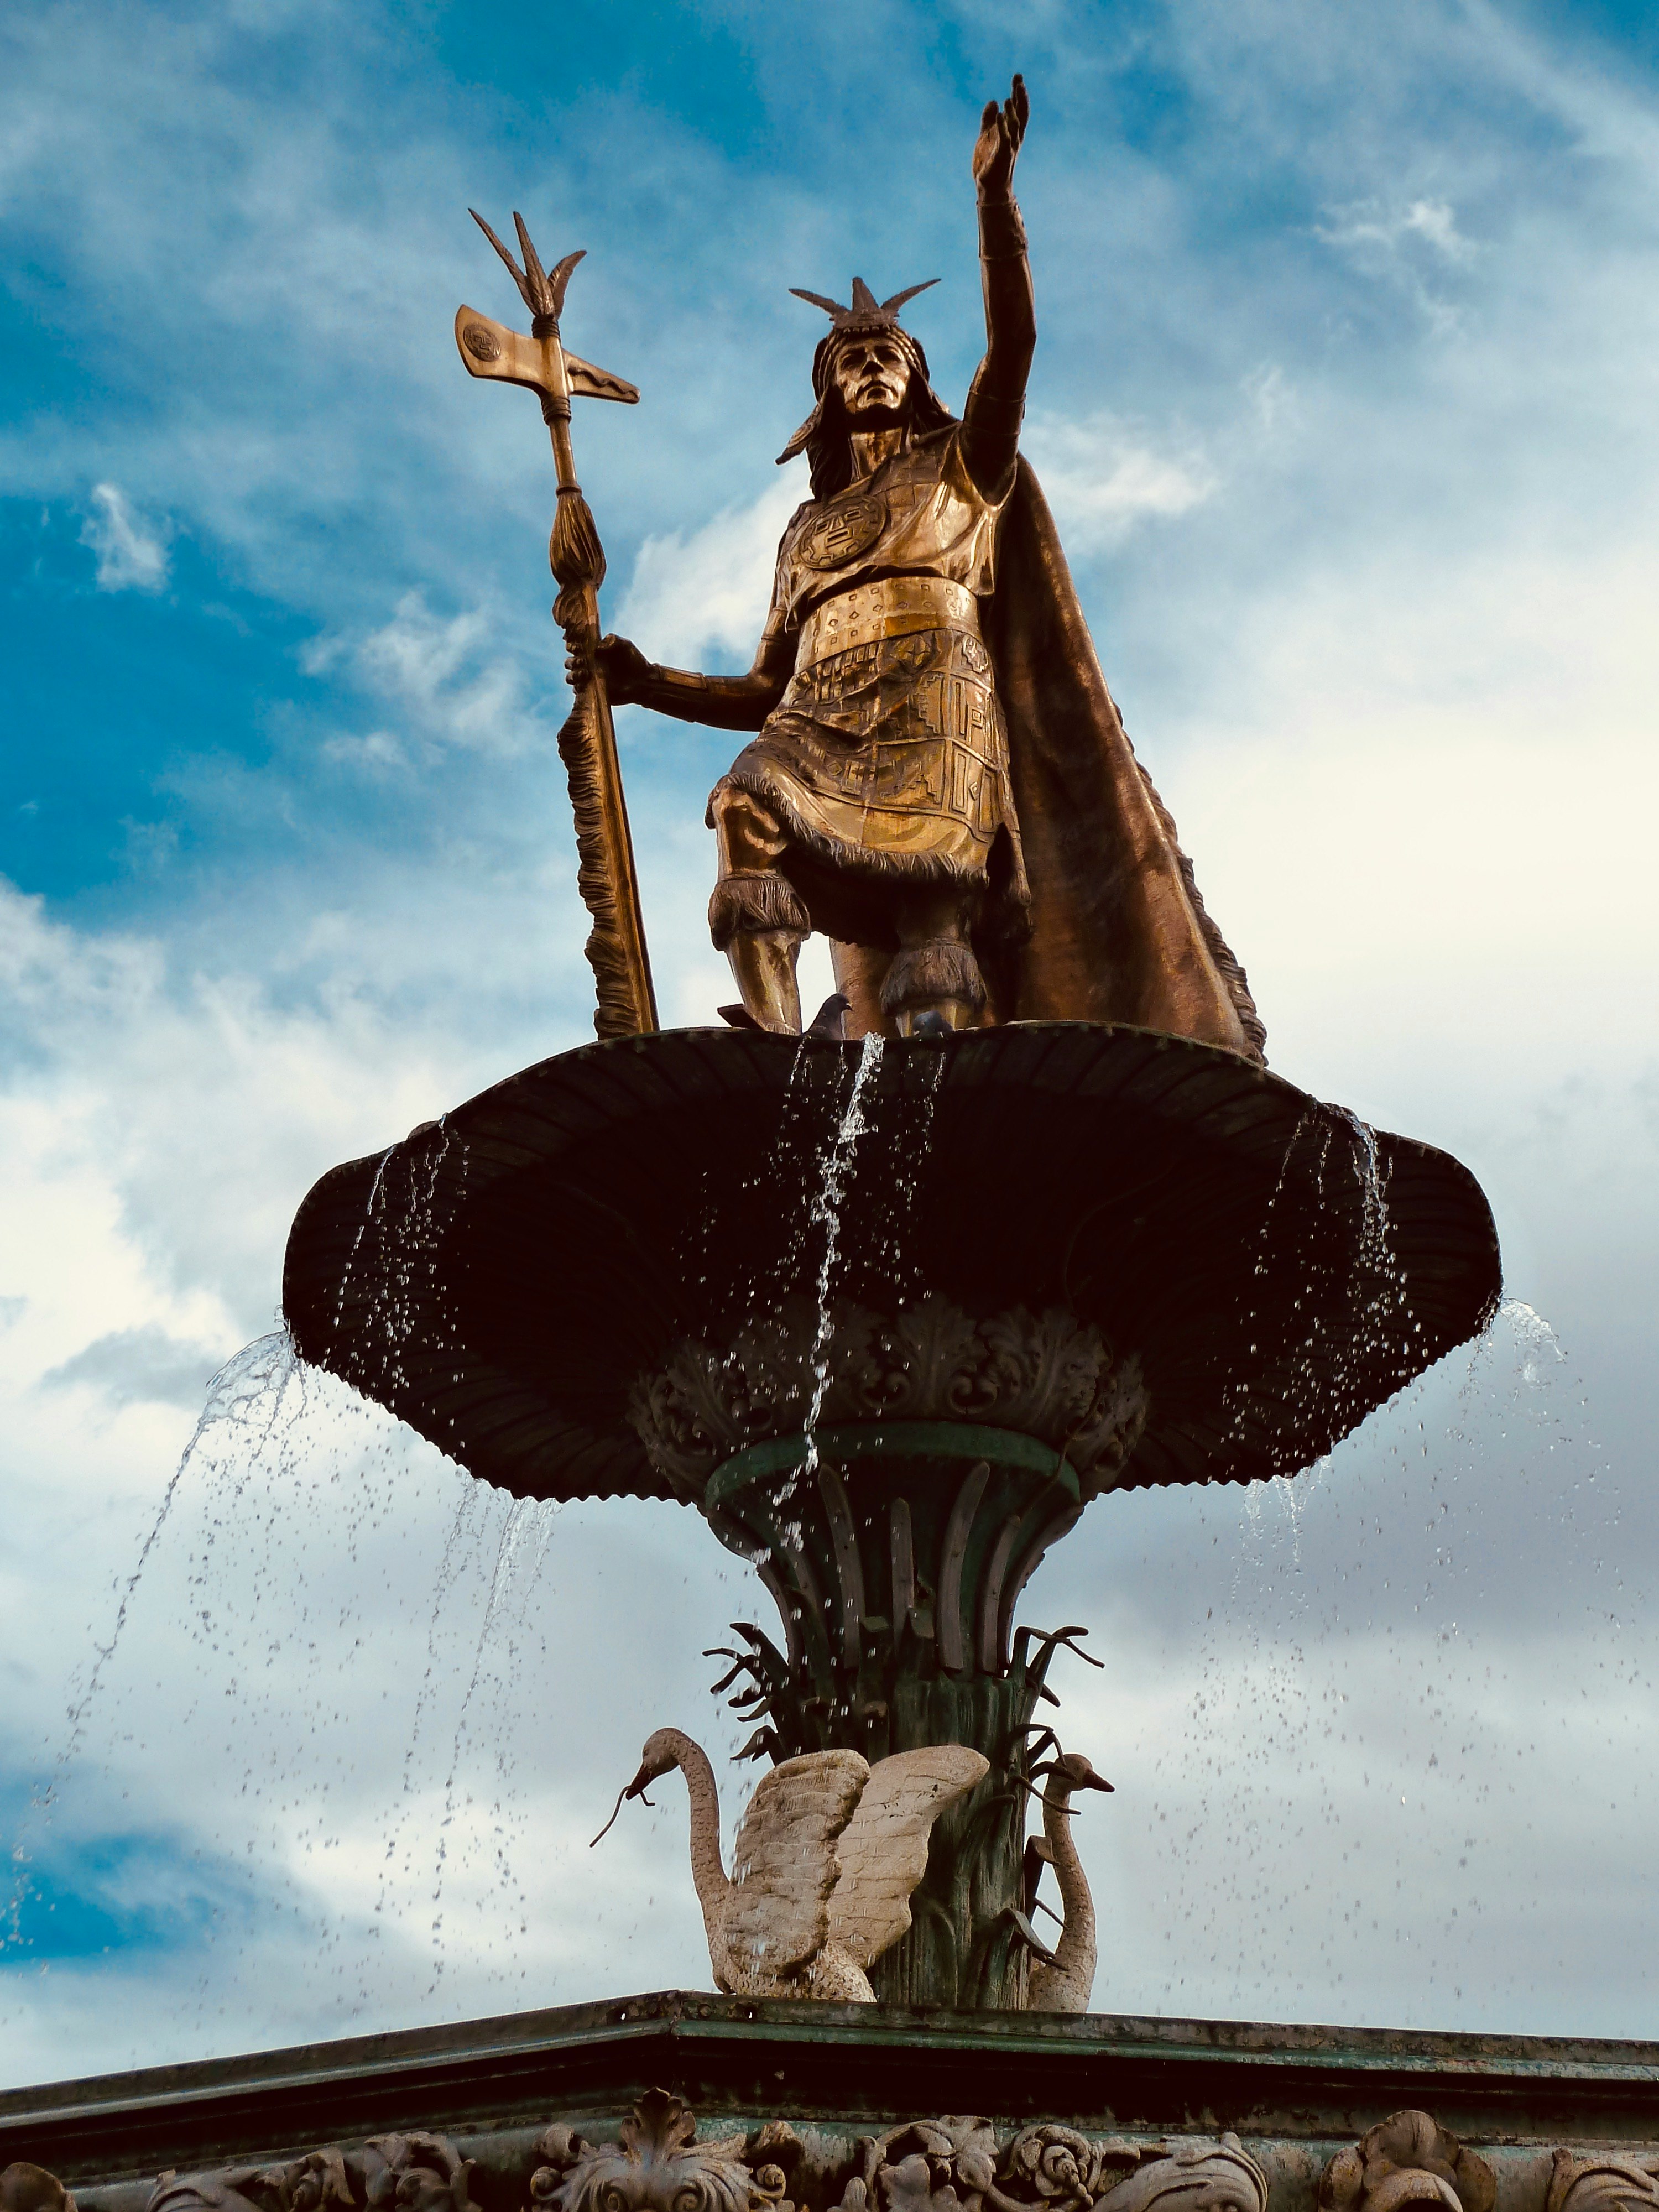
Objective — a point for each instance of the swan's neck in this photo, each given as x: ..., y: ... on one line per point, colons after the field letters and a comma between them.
x: 1077, y: 1935
x: 707, y: 1871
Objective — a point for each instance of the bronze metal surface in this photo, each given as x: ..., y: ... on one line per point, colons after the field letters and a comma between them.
x: 587, y: 743
x: 893, y: 606
x: 971, y: 831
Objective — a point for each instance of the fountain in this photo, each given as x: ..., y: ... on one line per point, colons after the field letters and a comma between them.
x: 617, y: 1274
x: 890, y: 1300
x: 1020, y: 1220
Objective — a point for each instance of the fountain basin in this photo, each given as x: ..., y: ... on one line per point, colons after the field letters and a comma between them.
x: 507, y: 1279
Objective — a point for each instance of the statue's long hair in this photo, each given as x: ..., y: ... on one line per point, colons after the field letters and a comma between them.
x: 825, y: 437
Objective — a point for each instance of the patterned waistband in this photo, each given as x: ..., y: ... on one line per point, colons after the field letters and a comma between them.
x: 893, y: 606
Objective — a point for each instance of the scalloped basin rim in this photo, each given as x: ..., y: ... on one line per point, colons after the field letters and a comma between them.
x: 502, y: 1278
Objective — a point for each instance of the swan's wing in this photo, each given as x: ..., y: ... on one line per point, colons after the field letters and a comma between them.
x: 784, y: 1864
x: 884, y: 1847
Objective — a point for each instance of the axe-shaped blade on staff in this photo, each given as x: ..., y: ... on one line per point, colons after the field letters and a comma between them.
x: 587, y: 743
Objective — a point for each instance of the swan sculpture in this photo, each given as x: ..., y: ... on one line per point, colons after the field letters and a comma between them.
x: 1062, y: 1980
x: 828, y: 1853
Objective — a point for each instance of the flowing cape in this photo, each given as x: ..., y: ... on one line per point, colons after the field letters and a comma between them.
x: 1118, y: 932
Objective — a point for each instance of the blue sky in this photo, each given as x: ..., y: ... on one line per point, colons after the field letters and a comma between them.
x: 1347, y: 400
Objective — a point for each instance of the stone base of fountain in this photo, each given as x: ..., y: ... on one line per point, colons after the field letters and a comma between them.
x: 827, y: 2108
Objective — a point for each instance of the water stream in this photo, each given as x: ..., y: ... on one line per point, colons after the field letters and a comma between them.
x: 357, y: 1685
x: 824, y: 1214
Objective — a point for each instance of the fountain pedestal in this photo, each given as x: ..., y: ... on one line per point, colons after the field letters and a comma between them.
x: 895, y: 1553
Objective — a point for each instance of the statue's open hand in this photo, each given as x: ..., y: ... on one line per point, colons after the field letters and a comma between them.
x: 619, y: 662
x: 1001, y: 129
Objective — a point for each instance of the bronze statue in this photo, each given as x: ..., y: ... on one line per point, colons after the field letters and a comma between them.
x: 940, y: 780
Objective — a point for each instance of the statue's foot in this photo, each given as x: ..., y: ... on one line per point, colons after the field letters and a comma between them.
x: 940, y: 978
x: 937, y: 1018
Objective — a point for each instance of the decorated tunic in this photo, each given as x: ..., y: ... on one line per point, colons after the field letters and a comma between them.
x: 888, y: 753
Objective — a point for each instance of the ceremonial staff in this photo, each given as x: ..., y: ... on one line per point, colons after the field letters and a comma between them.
x: 587, y: 743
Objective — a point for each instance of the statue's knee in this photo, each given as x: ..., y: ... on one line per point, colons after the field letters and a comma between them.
x: 748, y: 835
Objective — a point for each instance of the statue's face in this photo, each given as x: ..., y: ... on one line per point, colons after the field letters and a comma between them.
x: 872, y: 374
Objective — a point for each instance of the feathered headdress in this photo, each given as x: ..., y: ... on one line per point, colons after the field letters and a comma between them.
x: 866, y: 313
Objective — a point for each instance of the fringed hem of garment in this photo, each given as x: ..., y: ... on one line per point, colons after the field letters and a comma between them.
x: 875, y: 862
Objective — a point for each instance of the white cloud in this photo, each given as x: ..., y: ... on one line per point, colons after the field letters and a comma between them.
x: 1102, y: 478
x: 1413, y: 247
x: 187, y: 1109
x: 141, y: 1365
x: 132, y: 554
x: 1370, y: 226
x: 376, y: 753
x: 1272, y: 395
x: 706, y: 592
x: 450, y: 679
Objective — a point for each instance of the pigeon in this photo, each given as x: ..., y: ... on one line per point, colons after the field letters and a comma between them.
x: 826, y: 1022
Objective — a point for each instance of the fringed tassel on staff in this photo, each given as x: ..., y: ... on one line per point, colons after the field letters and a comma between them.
x: 615, y: 1014
x: 575, y: 555
x: 588, y: 748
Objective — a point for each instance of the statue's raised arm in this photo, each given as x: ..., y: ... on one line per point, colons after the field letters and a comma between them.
x: 996, y: 398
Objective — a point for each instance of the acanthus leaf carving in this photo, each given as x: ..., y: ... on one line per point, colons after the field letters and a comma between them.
x: 1065, y: 2170
x: 413, y: 2172
x: 28, y: 2188
x: 657, y: 2165
x: 1593, y: 2181
x: 951, y: 2163
x: 1045, y: 1375
x: 1216, y: 2177
x: 1407, y: 2159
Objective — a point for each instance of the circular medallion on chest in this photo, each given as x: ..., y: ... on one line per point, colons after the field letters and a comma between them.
x: 841, y: 533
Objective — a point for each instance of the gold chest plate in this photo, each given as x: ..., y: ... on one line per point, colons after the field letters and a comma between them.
x: 920, y: 514
x: 851, y: 527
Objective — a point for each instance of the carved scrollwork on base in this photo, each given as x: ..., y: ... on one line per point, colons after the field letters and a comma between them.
x: 1604, y: 2181
x: 952, y: 2165
x: 26, y: 2187
x: 414, y: 2172
x: 657, y: 2163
